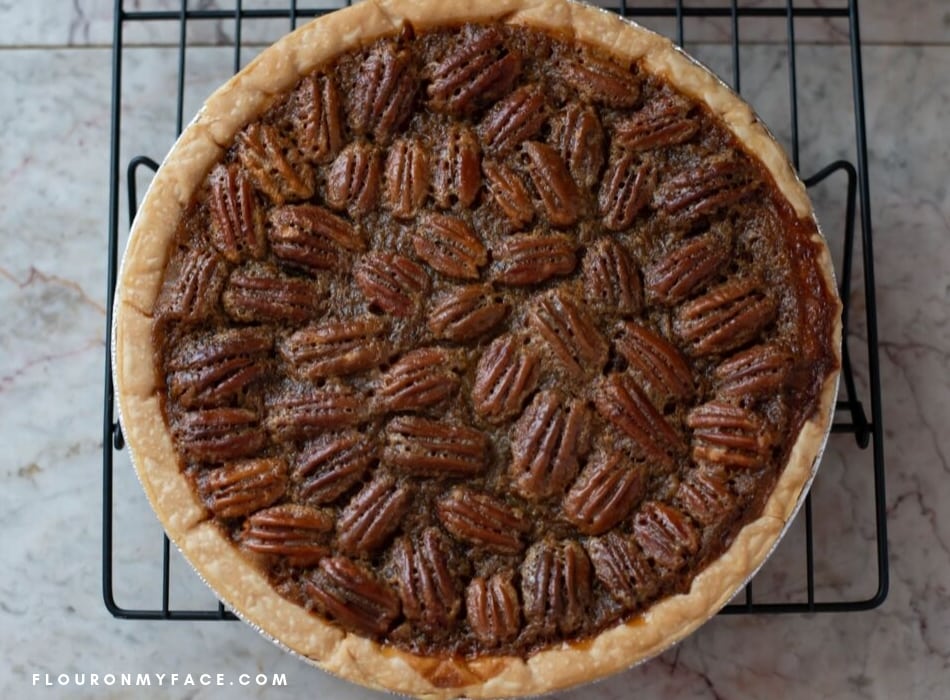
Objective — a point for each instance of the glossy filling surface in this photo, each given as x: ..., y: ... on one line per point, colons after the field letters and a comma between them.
x: 479, y: 340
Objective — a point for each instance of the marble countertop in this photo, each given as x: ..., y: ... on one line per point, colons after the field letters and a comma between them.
x: 55, y: 62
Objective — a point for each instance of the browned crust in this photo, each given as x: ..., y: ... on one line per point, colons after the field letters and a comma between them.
x: 240, y: 583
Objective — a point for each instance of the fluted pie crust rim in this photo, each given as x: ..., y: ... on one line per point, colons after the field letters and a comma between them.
x: 236, y: 580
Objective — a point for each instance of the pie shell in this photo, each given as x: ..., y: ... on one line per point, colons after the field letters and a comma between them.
x: 235, y: 579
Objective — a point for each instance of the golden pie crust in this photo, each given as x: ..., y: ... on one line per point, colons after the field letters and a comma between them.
x: 234, y: 578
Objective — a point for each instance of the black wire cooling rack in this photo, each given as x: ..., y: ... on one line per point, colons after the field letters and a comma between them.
x: 851, y: 420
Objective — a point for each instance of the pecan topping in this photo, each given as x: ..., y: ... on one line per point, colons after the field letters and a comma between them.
x: 305, y: 411
x: 509, y: 193
x: 241, y: 488
x: 663, y: 121
x: 217, y: 434
x: 211, y: 370
x: 493, y: 610
x: 622, y: 569
x: 546, y: 445
x: 601, y: 81
x: 473, y: 74
x: 622, y: 403
x: 507, y: 373
x: 686, y: 268
x: 274, y: 164
x: 656, y: 362
x: 514, y: 119
x: 665, y: 535
x: 424, y: 447
x: 715, y: 184
x: 331, y: 465
x: 260, y: 294
x: 569, y: 333
x: 465, y: 313
x: 555, y: 187
x: 336, y: 348
x: 429, y: 591
x: 759, y: 371
x: 611, y: 282
x: 353, y: 180
x: 449, y: 245
x: 311, y: 237
x: 482, y: 520
x: 458, y: 177
x: 529, y: 259
x: 728, y: 435
x: 626, y: 190
x: 607, y: 491
x: 373, y: 514
x: 237, y: 226
x: 192, y: 287
x: 315, y: 115
x: 421, y: 378
x: 555, y: 583
x: 705, y: 496
x: 392, y: 282
x: 406, y: 177
x: 382, y: 99
x: 294, y: 532
x: 726, y: 317
x: 351, y: 594
x: 580, y: 140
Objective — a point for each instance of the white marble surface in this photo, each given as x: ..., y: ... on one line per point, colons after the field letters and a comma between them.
x: 54, y: 114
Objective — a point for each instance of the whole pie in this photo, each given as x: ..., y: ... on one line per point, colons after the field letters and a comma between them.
x: 475, y: 348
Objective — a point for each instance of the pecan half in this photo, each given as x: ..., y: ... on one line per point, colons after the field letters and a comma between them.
x: 602, y: 81
x: 686, y: 268
x: 424, y: 447
x: 665, y: 535
x: 274, y: 164
x: 474, y: 73
x: 211, y: 370
x: 625, y: 191
x: 373, y: 515
x: 569, y: 334
x: 429, y: 590
x: 526, y: 259
x: 493, y: 609
x: 726, y: 317
x: 623, y: 404
x: 509, y: 193
x: 606, y: 492
x: 657, y: 363
x: 728, y: 435
x: 312, y: 237
x: 663, y: 121
x: 331, y: 465
x: 392, y: 282
x: 449, y: 245
x: 353, y: 180
x: 237, y: 224
x: 579, y: 138
x: 465, y: 313
x: 715, y: 184
x: 556, y: 188
x: 406, y: 178
x: 556, y: 587
x: 458, y: 176
x: 515, y: 119
x: 240, y: 488
x: 352, y: 595
x: 547, y: 443
x: 260, y: 294
x: 611, y: 282
x: 336, y: 348
x: 762, y: 370
x: 293, y: 532
x: 192, y: 286
x: 421, y: 378
x: 706, y: 497
x: 307, y: 411
x: 482, y: 520
x: 507, y: 373
x: 315, y: 114
x: 385, y: 90
x: 622, y: 569
x: 218, y: 434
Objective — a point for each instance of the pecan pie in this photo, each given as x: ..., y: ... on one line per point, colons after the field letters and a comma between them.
x: 475, y: 348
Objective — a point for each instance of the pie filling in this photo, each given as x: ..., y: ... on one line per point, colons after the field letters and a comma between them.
x: 479, y: 341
